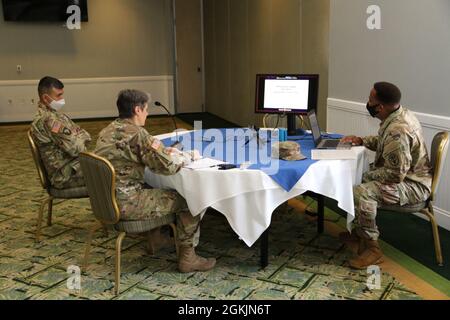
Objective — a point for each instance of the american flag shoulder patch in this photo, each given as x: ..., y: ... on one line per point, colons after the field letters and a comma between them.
x: 156, y: 144
x: 56, y: 126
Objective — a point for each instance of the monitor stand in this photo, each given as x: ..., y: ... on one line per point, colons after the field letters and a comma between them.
x: 292, y: 126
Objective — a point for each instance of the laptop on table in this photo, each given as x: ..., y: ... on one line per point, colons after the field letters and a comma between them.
x: 319, y: 140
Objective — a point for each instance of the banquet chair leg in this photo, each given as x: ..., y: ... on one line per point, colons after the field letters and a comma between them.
x: 50, y: 211
x: 87, y: 250
x: 39, y: 219
x: 320, y: 213
x: 265, y: 249
x: 118, y: 251
x: 429, y: 212
x: 175, y: 238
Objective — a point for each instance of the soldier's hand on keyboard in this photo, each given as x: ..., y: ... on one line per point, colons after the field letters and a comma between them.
x: 355, y: 141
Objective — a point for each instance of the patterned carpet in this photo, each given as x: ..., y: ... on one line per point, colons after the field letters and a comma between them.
x: 302, y: 265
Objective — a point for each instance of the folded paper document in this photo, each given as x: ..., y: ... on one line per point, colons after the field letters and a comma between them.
x: 203, y: 163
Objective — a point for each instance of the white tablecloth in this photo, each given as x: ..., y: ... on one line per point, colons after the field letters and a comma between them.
x: 247, y: 198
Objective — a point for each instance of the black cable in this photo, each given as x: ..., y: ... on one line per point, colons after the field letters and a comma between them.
x: 176, y: 144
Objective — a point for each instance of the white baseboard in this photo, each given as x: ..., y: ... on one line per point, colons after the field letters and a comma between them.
x: 86, y: 98
x: 442, y: 217
x: 350, y: 117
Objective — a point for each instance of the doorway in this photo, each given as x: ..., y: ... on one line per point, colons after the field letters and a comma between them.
x: 189, y: 55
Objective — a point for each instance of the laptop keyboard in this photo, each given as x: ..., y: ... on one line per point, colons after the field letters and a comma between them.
x: 330, y: 143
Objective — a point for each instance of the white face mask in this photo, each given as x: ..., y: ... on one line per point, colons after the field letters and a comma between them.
x: 57, y: 105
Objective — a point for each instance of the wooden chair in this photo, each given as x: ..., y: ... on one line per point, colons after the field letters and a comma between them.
x: 53, y: 193
x: 100, y: 178
x: 439, y: 150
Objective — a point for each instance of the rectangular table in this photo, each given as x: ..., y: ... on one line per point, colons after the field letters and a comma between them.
x: 247, y: 198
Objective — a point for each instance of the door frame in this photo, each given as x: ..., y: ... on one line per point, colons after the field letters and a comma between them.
x: 175, y: 55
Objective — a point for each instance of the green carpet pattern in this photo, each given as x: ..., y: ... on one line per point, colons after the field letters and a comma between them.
x: 303, y: 265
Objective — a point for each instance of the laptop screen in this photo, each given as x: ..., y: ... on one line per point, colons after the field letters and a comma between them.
x: 314, y: 126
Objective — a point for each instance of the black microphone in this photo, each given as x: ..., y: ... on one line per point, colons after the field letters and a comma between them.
x: 176, y: 144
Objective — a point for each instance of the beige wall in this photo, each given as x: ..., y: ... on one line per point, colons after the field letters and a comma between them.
x: 122, y: 38
x: 315, y: 48
x: 247, y: 37
x: 243, y: 38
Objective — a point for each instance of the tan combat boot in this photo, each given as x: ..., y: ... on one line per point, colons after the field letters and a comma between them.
x: 189, y: 261
x: 353, y: 240
x: 158, y: 240
x: 372, y: 255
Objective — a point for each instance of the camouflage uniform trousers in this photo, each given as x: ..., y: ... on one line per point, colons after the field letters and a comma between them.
x: 149, y: 203
x: 371, y: 195
x: 71, y: 176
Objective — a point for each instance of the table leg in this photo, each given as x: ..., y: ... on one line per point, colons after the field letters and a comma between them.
x: 320, y: 213
x: 265, y: 249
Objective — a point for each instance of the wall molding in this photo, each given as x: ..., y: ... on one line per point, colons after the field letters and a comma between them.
x: 427, y: 120
x: 86, y: 97
x: 350, y: 117
x: 442, y: 217
x: 90, y: 80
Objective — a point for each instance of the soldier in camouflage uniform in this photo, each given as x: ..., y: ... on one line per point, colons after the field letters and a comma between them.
x: 130, y: 148
x: 58, y: 138
x: 400, y: 175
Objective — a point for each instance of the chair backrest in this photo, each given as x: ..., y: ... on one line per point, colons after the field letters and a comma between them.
x: 100, y: 178
x: 439, y: 149
x: 42, y: 172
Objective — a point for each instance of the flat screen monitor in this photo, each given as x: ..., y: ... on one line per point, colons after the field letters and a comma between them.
x: 42, y: 10
x: 286, y: 93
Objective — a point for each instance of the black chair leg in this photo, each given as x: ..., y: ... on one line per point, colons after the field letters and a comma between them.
x: 265, y: 249
x: 320, y: 213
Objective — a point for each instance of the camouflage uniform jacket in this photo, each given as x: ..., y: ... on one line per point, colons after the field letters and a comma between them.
x: 130, y: 148
x: 401, y: 153
x: 59, y: 141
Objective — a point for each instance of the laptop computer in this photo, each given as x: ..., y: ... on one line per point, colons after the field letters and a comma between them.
x: 319, y: 140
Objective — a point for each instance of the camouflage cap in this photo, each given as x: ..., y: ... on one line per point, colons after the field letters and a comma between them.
x: 287, y: 150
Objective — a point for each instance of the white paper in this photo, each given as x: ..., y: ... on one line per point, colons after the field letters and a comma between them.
x: 334, y: 154
x: 203, y: 163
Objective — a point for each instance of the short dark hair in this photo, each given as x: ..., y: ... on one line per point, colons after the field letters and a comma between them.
x: 128, y: 99
x: 46, y: 84
x: 388, y: 93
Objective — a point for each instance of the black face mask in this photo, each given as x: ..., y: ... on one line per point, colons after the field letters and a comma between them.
x: 372, y: 110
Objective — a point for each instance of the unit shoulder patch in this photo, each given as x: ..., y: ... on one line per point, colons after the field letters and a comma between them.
x: 66, y: 131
